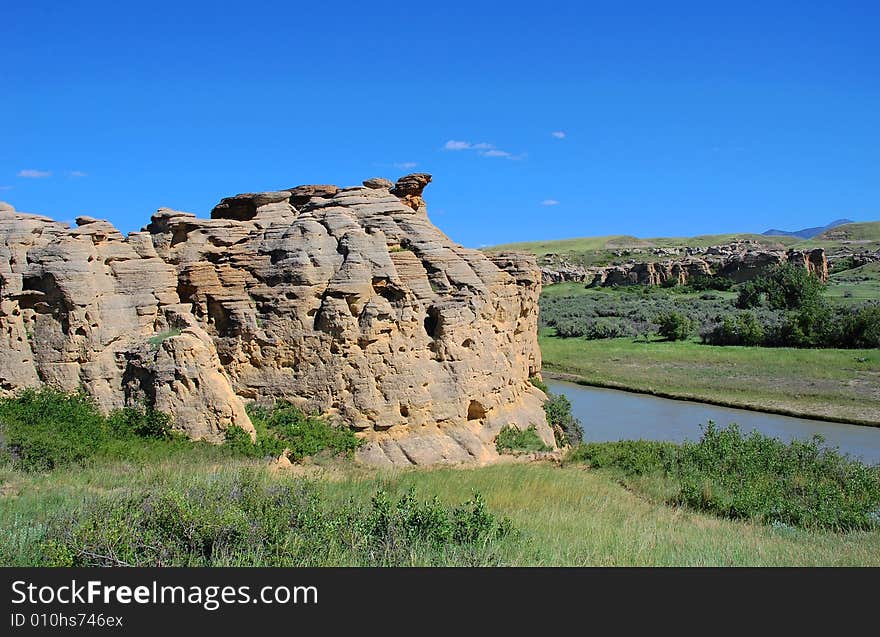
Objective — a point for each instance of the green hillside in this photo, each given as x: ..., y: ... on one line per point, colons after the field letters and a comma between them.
x: 868, y: 231
x: 624, y: 242
x: 604, y: 250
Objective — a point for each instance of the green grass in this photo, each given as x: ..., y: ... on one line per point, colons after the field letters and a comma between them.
x: 822, y: 383
x: 513, y: 439
x: 574, y: 288
x: 864, y: 231
x: 749, y: 476
x: 155, y: 341
x: 559, y: 516
x: 855, y: 286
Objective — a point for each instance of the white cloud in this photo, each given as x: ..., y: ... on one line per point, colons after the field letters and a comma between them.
x: 558, y: 134
x: 30, y: 173
x: 549, y: 202
x: 484, y: 149
x: 77, y: 173
x: 495, y: 152
x: 406, y: 165
x: 456, y: 145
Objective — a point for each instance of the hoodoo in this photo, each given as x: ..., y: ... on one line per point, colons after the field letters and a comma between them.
x: 346, y: 301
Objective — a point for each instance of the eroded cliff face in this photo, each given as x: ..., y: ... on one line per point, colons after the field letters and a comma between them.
x: 739, y: 262
x: 344, y: 301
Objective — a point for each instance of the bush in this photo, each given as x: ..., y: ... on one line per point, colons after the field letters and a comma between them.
x: 45, y: 429
x: 244, y: 522
x: 567, y: 328
x: 704, y: 282
x: 674, y: 326
x: 512, y: 439
x: 754, y: 477
x: 605, y: 328
x: 633, y: 457
x: 859, y: 328
x: 629, y: 311
x: 566, y: 428
x: 737, y: 329
x: 788, y: 287
x: 141, y: 422
x: 540, y: 384
x: 287, y: 427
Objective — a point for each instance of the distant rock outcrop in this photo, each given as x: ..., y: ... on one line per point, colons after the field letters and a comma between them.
x: 345, y: 301
x: 740, y: 261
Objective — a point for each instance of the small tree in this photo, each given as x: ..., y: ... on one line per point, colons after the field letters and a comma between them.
x: 566, y: 428
x: 674, y: 326
x: 788, y: 287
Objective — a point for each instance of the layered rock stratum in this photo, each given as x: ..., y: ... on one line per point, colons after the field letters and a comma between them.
x: 344, y: 301
x: 738, y: 261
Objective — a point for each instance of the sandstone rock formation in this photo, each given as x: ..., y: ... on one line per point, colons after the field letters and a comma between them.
x: 344, y: 301
x: 740, y: 261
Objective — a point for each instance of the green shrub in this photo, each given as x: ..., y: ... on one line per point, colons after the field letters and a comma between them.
x: 674, y: 326
x: 141, y: 422
x: 704, y: 282
x: 759, y: 477
x: 566, y: 428
x: 842, y: 264
x: 737, y: 329
x: 244, y: 522
x: 753, y: 477
x: 632, y: 457
x: 46, y: 428
x: 787, y: 287
x: 859, y: 328
x: 511, y: 439
x: 540, y: 384
x: 287, y: 427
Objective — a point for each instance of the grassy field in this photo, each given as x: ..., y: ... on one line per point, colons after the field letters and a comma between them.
x: 854, y: 286
x: 860, y: 232
x: 566, y: 516
x: 820, y: 383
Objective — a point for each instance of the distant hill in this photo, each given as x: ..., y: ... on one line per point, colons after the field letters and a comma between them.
x: 864, y: 232
x: 806, y: 233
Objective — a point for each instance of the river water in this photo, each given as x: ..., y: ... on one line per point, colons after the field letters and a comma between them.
x: 610, y: 414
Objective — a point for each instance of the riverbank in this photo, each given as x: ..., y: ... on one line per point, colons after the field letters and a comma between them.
x: 568, y: 516
x: 822, y: 384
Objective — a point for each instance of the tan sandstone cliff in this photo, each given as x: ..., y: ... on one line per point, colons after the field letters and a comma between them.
x: 739, y: 261
x: 345, y: 301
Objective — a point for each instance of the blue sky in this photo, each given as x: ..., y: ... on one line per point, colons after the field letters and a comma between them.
x: 538, y: 121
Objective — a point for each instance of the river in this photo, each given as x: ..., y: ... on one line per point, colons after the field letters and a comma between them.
x: 610, y: 414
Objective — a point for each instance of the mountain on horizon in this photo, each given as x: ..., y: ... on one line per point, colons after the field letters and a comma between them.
x: 806, y: 233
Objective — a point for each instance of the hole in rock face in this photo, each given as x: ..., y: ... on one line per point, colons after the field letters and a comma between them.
x: 468, y: 343
x: 432, y: 321
x: 476, y: 411
x: 387, y: 290
x: 218, y: 315
x: 404, y: 411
